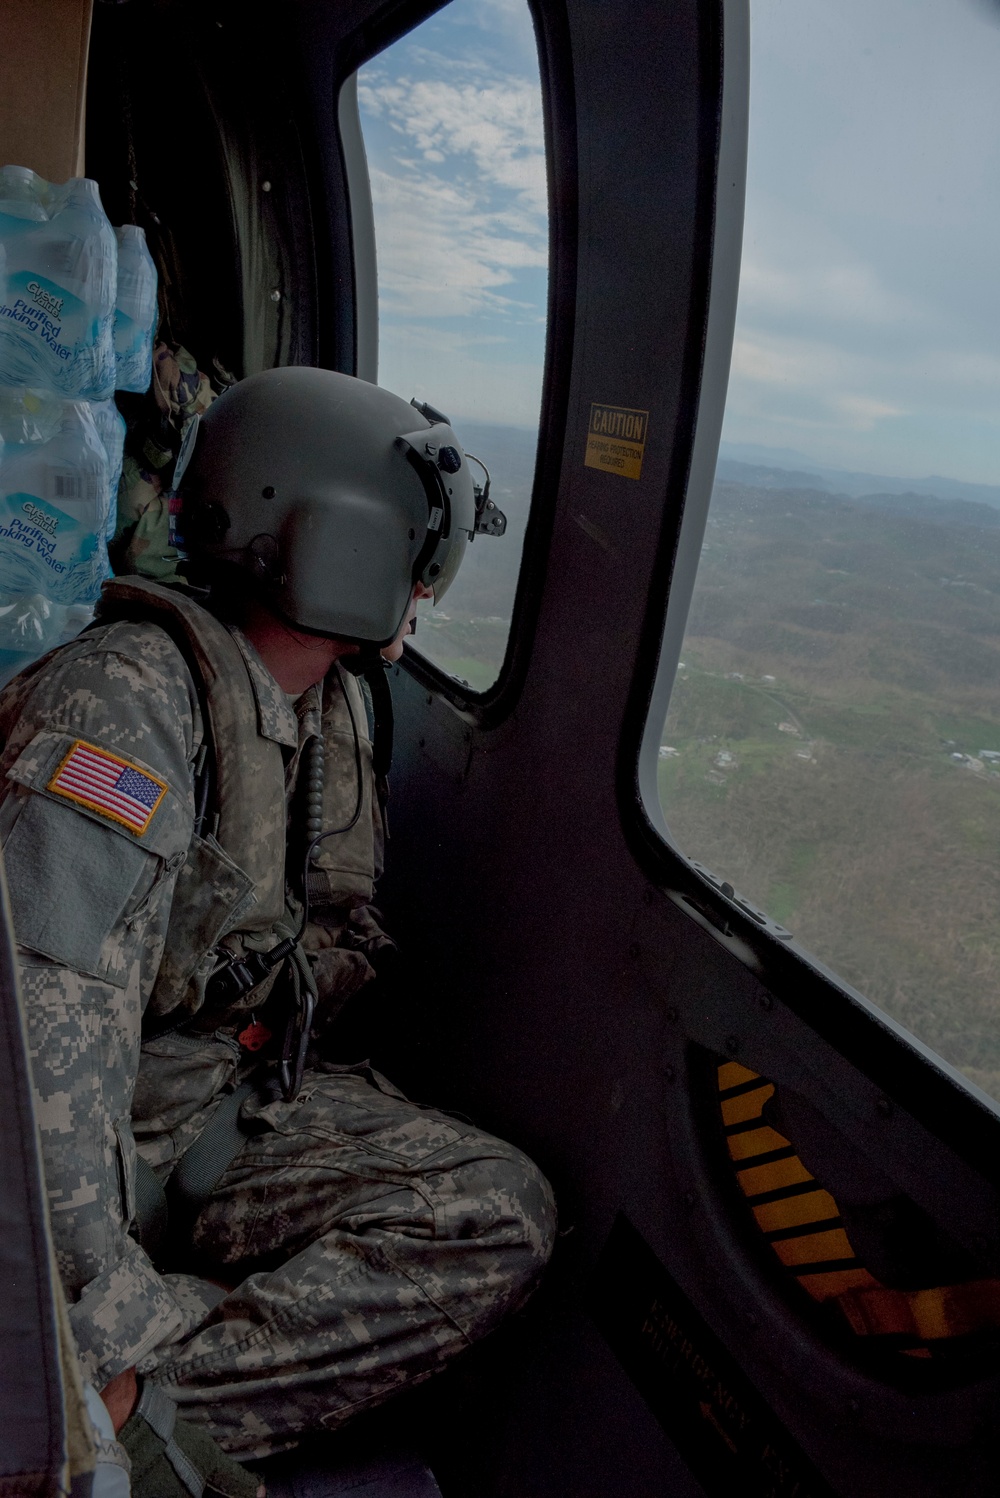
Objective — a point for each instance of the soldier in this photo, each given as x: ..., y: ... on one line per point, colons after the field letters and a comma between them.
x: 191, y: 818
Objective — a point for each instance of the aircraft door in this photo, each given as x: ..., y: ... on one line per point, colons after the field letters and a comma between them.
x: 779, y: 1207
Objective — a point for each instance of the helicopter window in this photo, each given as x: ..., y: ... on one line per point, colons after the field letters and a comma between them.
x: 452, y: 122
x: 832, y: 747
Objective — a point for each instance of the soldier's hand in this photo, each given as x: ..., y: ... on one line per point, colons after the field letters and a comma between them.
x: 120, y: 1397
x: 316, y: 938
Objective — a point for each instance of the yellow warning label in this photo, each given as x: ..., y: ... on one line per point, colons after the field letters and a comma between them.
x: 616, y: 440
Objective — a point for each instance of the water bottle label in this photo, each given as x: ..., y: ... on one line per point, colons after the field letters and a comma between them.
x: 44, y: 550
x: 80, y: 487
x: 49, y: 336
x: 41, y: 307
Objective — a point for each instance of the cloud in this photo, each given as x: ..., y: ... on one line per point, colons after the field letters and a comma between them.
x: 453, y: 128
x: 862, y: 412
x: 807, y: 385
x: 869, y: 296
x: 836, y: 290
x: 442, y: 253
x: 459, y: 189
x: 470, y: 376
x: 885, y: 406
x: 762, y: 357
x: 857, y: 384
x: 497, y: 122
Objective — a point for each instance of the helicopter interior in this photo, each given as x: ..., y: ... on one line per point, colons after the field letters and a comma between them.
x: 778, y: 1268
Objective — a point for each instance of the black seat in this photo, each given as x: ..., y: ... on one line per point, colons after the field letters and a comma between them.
x: 296, y: 1475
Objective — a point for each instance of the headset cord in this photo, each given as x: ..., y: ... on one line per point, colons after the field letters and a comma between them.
x: 315, y: 772
x: 241, y: 974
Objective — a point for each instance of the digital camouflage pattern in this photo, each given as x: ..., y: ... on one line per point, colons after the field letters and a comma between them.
x: 373, y: 1238
x: 90, y: 904
x: 412, y: 1235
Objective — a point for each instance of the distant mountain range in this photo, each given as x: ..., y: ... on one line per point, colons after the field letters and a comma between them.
x: 782, y: 468
x: 510, y: 454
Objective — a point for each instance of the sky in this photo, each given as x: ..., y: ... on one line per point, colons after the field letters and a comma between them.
x: 868, y: 329
x: 452, y: 121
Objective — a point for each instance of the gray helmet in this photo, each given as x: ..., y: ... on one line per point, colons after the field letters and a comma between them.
x: 334, y: 495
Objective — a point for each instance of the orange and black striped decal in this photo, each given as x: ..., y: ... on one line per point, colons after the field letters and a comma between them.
x: 801, y: 1222
x: 798, y: 1218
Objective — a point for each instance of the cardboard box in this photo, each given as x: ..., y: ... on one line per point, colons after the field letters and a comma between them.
x: 43, y: 85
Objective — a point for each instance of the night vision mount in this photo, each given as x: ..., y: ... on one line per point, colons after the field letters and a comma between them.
x: 490, y: 519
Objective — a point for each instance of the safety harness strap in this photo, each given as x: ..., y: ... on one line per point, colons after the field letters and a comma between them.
x: 150, y: 1208
x: 196, y: 1175
x: 202, y: 1165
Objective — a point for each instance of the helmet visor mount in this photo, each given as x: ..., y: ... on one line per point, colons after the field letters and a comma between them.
x: 437, y: 455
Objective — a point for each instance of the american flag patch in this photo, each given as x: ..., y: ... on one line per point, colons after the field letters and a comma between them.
x: 117, y: 789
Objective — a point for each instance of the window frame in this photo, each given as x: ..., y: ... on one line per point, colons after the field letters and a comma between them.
x: 912, y: 1074
x: 491, y: 707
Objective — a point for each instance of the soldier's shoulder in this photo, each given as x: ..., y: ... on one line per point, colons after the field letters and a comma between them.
x: 141, y: 643
x: 141, y: 640
x: 124, y: 670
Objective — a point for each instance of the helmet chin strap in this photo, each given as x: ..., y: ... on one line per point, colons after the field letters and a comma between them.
x: 370, y: 664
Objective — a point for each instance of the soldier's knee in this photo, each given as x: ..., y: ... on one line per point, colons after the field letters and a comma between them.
x: 514, y: 1222
x: 537, y: 1206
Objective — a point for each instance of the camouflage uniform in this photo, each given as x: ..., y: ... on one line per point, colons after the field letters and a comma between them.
x: 373, y: 1238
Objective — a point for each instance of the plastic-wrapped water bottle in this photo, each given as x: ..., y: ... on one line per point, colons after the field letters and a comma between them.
x: 28, y: 416
x: 111, y: 430
x: 53, y: 504
x: 53, y: 515
x: 57, y: 295
x: 135, y: 311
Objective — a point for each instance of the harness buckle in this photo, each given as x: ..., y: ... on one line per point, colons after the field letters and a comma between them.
x: 237, y: 977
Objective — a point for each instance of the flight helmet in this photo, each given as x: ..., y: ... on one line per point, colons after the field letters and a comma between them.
x: 333, y: 495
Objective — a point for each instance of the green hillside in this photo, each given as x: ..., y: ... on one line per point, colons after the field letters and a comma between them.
x: 846, y: 795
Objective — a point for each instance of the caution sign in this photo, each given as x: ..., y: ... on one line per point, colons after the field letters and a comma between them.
x: 729, y: 1437
x: 616, y: 440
